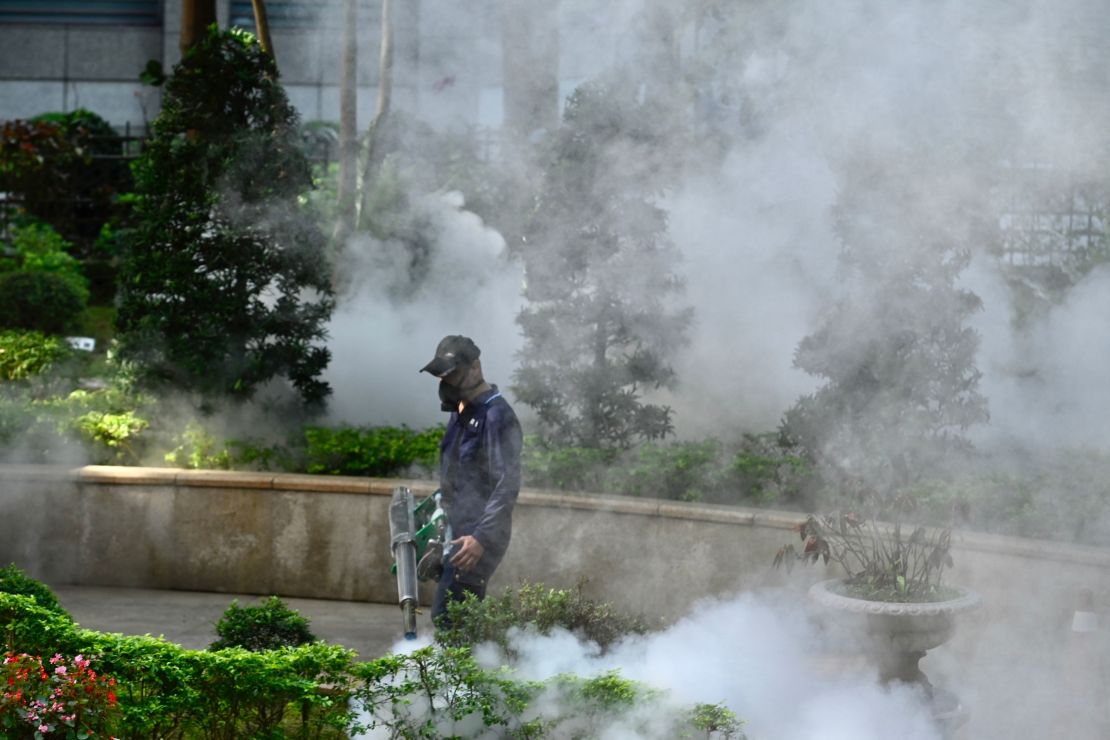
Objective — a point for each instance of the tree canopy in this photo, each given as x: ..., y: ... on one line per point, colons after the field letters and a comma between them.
x: 225, y: 284
x: 601, y: 324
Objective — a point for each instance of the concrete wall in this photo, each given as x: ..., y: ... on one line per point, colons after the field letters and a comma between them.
x: 328, y: 537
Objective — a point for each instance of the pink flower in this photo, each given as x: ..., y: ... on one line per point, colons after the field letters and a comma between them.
x: 44, y: 729
x: 60, y: 670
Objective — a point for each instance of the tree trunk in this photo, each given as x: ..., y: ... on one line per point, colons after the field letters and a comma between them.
x: 196, y: 17
x: 262, y: 26
x: 530, y: 66
x: 348, y: 124
x: 530, y: 90
x: 377, y: 126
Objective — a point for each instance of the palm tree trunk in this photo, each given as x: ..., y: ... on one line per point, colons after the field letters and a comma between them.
x: 348, y: 124
x: 262, y: 26
x: 377, y: 126
x: 196, y: 17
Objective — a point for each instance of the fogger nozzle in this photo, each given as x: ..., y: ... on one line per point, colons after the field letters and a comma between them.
x: 401, y: 529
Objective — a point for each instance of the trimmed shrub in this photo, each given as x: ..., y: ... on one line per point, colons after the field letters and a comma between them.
x: 13, y: 580
x: 39, y: 301
x: 268, y: 626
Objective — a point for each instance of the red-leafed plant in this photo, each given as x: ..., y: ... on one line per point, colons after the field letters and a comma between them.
x: 880, y: 563
x: 62, y: 699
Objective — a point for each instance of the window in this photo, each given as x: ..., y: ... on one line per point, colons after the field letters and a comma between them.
x: 300, y: 13
x: 92, y: 12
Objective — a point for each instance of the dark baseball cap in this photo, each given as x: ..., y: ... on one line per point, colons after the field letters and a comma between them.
x: 453, y: 350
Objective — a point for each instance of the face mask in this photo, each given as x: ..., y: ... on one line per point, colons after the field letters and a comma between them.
x: 449, y: 396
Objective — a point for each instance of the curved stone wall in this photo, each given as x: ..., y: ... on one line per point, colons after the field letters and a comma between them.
x: 328, y: 537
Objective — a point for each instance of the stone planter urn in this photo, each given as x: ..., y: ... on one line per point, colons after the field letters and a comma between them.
x: 897, y: 635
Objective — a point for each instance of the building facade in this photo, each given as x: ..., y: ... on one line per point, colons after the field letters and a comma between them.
x: 60, y: 55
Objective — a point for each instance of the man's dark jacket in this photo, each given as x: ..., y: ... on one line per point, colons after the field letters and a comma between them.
x: 479, y: 473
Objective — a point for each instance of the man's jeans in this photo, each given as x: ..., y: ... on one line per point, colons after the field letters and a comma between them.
x: 450, y: 588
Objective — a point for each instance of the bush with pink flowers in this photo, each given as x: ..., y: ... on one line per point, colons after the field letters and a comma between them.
x: 60, y: 699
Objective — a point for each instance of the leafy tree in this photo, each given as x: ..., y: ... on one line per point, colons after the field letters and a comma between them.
x: 225, y: 285
x: 897, y: 359
x: 601, y: 324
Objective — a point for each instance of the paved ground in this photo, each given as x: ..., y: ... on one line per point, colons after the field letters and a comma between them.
x: 189, y: 618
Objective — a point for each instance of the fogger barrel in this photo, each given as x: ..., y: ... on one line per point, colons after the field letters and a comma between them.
x: 402, y: 528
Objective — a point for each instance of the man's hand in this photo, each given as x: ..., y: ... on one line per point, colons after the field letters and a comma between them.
x: 469, y: 552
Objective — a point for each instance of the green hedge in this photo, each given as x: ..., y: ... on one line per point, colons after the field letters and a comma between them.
x: 316, y: 690
x: 14, y: 581
x: 753, y: 470
x: 373, y: 451
x: 166, y: 691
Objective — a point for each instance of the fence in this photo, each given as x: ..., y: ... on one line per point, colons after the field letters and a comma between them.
x: 1049, y: 219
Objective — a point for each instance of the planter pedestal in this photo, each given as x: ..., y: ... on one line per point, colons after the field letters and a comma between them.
x: 896, y: 637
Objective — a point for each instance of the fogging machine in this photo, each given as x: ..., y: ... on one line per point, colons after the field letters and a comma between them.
x: 419, y: 539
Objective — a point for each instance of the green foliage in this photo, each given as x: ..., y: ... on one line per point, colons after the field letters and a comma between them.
x: 567, y: 468
x: 682, y: 470
x: 197, y: 449
x: 24, y: 354
x: 591, y: 706
x: 373, y: 451
x: 600, y: 325
x: 14, y: 581
x: 266, y: 626
x: 756, y: 470
x: 39, y: 301
x: 534, y: 605
x: 225, y: 285
x: 112, y: 430
x: 39, y: 248
x: 715, y: 720
x: 110, y: 422
x: 768, y: 471
x: 441, y: 692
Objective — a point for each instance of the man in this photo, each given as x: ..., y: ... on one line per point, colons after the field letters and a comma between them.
x: 479, y: 471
